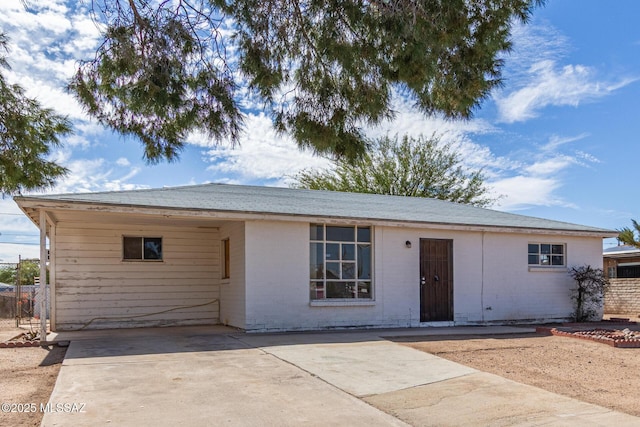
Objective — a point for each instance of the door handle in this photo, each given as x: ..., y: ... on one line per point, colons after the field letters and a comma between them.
x: 423, y: 281
x: 436, y: 278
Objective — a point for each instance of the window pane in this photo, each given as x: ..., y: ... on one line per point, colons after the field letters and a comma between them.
x: 534, y: 249
x: 544, y: 260
x: 348, y: 270
x: 341, y: 234
x: 557, y: 260
x: 545, y: 249
x: 333, y: 270
x: 557, y: 249
x: 316, y: 290
x: 364, y: 262
x: 348, y: 252
x: 316, y: 232
x: 333, y: 251
x: 364, y: 290
x: 152, y: 248
x: 340, y: 290
x: 364, y: 234
x: 132, y: 248
x: 533, y: 259
x: 226, y: 259
x: 316, y: 261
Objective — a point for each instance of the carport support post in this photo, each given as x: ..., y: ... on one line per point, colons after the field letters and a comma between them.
x: 43, y: 277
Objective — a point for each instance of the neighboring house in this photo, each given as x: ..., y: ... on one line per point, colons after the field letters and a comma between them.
x: 622, y: 262
x: 261, y: 258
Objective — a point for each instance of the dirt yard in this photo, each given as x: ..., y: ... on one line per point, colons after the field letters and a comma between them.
x: 27, y: 376
x: 585, y: 370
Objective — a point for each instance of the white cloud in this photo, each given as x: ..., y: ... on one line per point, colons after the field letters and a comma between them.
x: 556, y: 141
x: 97, y: 174
x: 45, y: 41
x: 16, y: 232
x: 551, y: 84
x: 539, y: 174
x: 586, y: 157
x: 261, y: 155
x: 537, y: 78
x: 548, y: 167
x: 10, y: 252
x: 123, y: 161
x: 77, y: 140
x: 523, y: 191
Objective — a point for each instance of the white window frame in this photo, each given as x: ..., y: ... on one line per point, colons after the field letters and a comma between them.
x: 343, y: 301
x: 550, y: 255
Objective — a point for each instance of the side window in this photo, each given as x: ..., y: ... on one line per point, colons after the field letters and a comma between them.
x: 137, y: 248
x: 547, y: 254
x: 225, y: 257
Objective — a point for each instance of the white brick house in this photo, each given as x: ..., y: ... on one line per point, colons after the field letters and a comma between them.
x: 261, y: 258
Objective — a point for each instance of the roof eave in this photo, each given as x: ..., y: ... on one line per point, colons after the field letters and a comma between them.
x: 30, y: 205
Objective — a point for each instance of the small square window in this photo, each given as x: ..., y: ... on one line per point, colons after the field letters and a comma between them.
x: 135, y: 248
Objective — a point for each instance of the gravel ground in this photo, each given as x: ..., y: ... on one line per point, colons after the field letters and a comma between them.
x: 27, y: 376
x: 585, y: 370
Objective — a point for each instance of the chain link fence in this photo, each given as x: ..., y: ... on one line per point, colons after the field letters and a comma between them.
x: 19, y: 296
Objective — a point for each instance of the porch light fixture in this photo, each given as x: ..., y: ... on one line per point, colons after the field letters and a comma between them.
x: 408, y: 243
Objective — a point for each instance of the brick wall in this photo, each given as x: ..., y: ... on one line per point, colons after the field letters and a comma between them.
x: 623, y: 297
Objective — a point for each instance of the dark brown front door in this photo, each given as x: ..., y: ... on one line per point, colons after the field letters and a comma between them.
x: 436, y: 280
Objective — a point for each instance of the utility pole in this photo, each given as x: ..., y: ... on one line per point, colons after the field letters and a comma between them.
x: 18, y: 292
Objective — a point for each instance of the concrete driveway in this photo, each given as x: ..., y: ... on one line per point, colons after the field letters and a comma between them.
x: 201, y: 376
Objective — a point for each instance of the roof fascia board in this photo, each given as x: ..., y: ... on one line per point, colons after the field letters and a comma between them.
x: 37, y: 204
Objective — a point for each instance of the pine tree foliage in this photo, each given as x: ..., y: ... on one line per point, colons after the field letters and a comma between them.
x: 27, y: 133
x: 415, y: 167
x: 323, y: 69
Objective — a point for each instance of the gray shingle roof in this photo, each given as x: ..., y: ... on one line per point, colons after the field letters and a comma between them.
x: 329, y: 204
x: 621, y: 249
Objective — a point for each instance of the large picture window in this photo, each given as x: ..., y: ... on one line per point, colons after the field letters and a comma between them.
x: 547, y: 254
x: 141, y: 248
x: 340, y: 262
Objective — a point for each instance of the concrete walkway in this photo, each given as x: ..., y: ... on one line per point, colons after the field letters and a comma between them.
x: 198, y: 376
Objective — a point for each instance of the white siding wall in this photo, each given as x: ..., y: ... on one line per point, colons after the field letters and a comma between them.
x: 277, y: 277
x: 513, y: 290
x: 93, y: 282
x: 232, y: 290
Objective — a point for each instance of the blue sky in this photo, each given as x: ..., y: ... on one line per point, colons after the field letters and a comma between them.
x: 558, y: 140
